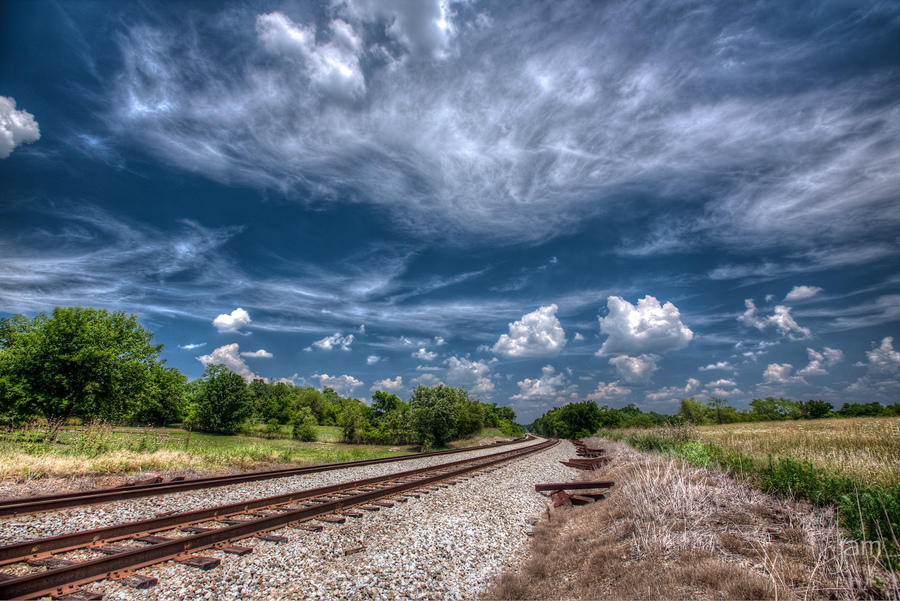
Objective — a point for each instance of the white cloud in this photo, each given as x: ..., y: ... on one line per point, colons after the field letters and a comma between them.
x: 332, y: 68
x: 719, y: 365
x: 232, y: 322
x: 388, y: 385
x: 578, y: 337
x: 781, y: 319
x: 815, y: 164
x: 373, y: 359
x: 260, y: 354
x: 674, y: 393
x: 229, y: 356
x: 635, y: 370
x: 608, y: 391
x: 537, y: 334
x: 438, y: 341
x: 780, y: 373
x: 802, y: 292
x: 427, y: 379
x: 335, y: 341
x: 819, y: 362
x: 16, y: 127
x: 722, y: 384
x: 551, y: 386
x: 343, y: 384
x: 646, y: 327
x: 884, y: 359
x: 192, y: 346
x: 474, y: 375
x: 424, y: 355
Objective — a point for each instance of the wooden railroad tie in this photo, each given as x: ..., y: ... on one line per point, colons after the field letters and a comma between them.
x: 560, y: 497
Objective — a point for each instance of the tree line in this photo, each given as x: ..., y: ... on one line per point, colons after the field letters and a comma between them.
x: 577, y: 420
x: 88, y: 363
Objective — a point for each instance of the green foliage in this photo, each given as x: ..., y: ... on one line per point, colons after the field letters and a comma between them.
x: 223, y: 401
x: 816, y: 409
x: 432, y: 414
x: 79, y: 362
x: 772, y: 409
x: 304, y: 425
x: 163, y: 399
x: 353, y: 420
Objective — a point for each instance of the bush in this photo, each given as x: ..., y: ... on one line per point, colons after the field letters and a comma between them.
x: 304, y: 425
x: 223, y: 402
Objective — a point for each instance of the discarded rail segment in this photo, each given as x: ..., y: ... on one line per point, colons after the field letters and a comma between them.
x: 560, y: 497
x: 147, y: 488
x: 129, y: 547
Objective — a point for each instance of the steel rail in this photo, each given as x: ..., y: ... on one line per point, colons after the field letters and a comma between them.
x: 37, y: 548
x: 23, y: 505
x: 57, y: 581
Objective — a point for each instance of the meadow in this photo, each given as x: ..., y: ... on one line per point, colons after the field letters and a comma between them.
x: 848, y: 464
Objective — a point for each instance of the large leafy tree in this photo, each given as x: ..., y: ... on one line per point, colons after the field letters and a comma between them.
x: 223, y: 401
x: 432, y: 413
x: 78, y: 362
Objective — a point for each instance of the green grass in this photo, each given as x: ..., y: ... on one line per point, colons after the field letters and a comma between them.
x: 867, y: 511
x: 101, y: 449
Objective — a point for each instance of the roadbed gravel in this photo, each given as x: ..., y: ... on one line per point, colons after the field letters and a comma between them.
x: 448, y: 544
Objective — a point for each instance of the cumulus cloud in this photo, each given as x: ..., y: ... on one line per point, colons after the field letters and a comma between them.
x: 781, y: 320
x: 438, y: 341
x: 332, y: 67
x: 578, y: 337
x: 718, y: 365
x: 635, y: 370
x: 424, y: 355
x: 474, y: 375
x: 229, y: 356
x: 647, y: 327
x: 607, y: 391
x: 259, y: 354
x: 343, y: 384
x: 551, y: 386
x: 674, y: 393
x: 537, y: 334
x: 232, y: 322
x: 780, y: 373
x: 884, y: 359
x: 373, y: 359
x: 192, y: 346
x: 802, y: 292
x: 722, y: 383
x: 16, y: 127
x: 820, y: 362
x: 388, y: 385
x: 335, y: 341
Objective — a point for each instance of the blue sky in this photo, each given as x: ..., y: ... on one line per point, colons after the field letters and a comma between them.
x: 543, y: 202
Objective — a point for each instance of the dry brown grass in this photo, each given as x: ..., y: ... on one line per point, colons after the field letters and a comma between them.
x: 866, y: 449
x: 672, y: 531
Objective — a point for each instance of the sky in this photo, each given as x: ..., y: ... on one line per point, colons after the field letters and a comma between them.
x: 544, y: 202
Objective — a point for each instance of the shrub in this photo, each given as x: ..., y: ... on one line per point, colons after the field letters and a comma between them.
x: 304, y: 425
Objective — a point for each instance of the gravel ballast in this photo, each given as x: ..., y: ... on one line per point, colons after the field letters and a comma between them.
x: 30, y: 527
x: 447, y: 544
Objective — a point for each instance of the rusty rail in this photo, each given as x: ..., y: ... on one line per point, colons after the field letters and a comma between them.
x: 60, y: 580
x: 18, y: 506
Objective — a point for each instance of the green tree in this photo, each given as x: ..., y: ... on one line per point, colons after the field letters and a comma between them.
x: 718, y: 407
x: 223, y: 401
x: 304, y: 425
x: 353, y: 420
x: 432, y: 413
x: 384, y: 402
x: 163, y: 399
x: 693, y: 411
x: 816, y: 409
x: 78, y: 362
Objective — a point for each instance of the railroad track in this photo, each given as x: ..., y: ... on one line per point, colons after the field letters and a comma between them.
x: 178, y: 536
x: 17, y: 506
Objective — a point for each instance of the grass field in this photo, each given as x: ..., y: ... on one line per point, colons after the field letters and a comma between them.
x: 101, y: 449
x: 866, y: 450
x: 849, y: 464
